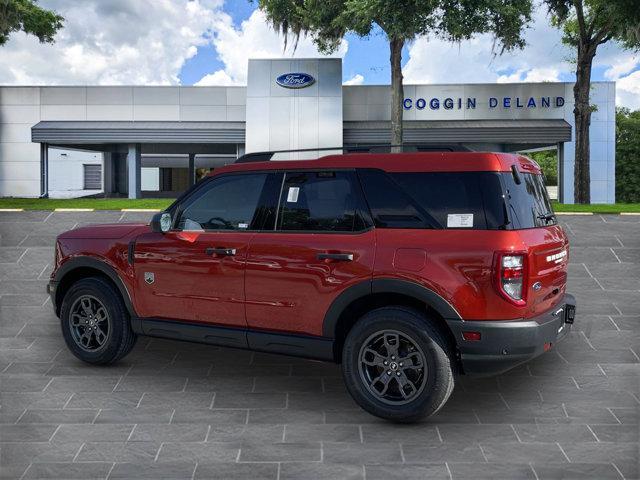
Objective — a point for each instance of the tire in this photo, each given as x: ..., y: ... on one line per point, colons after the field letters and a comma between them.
x: 417, y: 340
x: 107, y: 333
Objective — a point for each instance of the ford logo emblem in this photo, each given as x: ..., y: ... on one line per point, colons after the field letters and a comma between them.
x: 295, y: 80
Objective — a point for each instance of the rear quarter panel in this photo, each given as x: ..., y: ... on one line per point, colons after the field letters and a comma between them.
x: 458, y: 265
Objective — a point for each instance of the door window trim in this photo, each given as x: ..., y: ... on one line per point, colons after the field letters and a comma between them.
x: 361, y: 206
x: 190, y: 196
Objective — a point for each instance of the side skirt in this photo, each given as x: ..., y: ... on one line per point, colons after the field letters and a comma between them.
x: 305, y: 346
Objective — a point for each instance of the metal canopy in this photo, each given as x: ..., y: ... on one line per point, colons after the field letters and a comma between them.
x: 367, y: 132
x: 494, y: 131
x: 59, y: 132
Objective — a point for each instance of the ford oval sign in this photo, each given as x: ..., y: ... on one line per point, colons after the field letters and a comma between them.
x: 295, y: 80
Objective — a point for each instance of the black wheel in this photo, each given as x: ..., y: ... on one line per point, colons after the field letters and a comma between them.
x: 396, y: 365
x: 95, y: 322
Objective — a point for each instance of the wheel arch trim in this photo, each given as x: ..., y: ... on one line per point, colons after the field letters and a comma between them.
x: 89, y: 262
x: 385, y: 285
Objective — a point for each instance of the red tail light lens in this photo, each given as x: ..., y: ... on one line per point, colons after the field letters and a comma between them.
x: 511, y: 275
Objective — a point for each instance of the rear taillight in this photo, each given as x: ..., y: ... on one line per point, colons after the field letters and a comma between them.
x: 511, y: 274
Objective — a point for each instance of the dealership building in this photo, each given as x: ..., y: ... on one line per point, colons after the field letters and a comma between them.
x: 147, y: 141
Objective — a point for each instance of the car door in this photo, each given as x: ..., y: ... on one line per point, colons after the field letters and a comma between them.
x: 195, y: 272
x: 321, y: 244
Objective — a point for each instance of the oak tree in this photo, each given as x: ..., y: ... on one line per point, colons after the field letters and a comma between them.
x: 27, y: 16
x: 587, y: 24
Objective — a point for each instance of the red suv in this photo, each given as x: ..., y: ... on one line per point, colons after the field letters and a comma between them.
x: 405, y: 268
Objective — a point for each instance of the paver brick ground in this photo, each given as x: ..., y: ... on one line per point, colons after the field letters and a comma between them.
x: 178, y: 410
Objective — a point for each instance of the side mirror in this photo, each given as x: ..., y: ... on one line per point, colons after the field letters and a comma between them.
x: 161, y: 222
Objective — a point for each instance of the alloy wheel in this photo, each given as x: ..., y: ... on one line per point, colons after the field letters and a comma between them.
x: 392, y: 367
x: 90, y: 325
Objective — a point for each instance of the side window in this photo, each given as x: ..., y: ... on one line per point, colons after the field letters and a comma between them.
x: 320, y: 201
x: 434, y: 200
x: 390, y: 206
x: 226, y: 203
x: 457, y: 199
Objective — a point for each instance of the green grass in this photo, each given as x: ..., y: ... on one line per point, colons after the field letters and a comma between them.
x: 598, y: 208
x: 162, y: 203
x: 95, y: 203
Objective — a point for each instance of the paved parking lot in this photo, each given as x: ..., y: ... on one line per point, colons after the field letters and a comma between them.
x: 176, y: 410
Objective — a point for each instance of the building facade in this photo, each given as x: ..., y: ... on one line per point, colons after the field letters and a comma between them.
x: 156, y: 141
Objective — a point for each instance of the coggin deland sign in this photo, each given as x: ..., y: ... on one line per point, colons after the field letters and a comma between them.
x: 469, y: 103
x: 302, y: 80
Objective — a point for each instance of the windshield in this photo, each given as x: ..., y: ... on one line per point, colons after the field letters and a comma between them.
x: 528, y: 202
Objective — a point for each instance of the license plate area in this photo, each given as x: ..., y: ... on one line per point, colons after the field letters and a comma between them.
x: 569, y: 313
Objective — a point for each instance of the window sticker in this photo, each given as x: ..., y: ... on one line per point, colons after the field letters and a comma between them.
x: 292, y: 196
x: 243, y: 226
x: 460, y: 220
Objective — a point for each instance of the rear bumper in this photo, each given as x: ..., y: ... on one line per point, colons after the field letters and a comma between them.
x: 506, y: 344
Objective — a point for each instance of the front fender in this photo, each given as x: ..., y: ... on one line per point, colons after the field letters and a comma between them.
x: 66, y: 271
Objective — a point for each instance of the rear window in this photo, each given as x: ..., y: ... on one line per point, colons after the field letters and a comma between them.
x: 465, y: 200
x: 528, y: 201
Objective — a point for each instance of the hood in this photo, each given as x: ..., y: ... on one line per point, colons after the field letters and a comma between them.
x: 108, y: 231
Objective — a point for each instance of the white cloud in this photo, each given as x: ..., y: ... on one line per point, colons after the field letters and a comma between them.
x: 357, y: 79
x: 219, y: 77
x: 623, y: 64
x: 621, y: 69
x: 253, y: 39
x: 114, y: 42
x: 531, y: 75
x: 628, y: 91
x: 436, y: 61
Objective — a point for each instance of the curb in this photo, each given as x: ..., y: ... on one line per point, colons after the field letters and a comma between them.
x: 140, y: 210
x: 11, y: 209
x: 74, y: 209
x: 574, y: 213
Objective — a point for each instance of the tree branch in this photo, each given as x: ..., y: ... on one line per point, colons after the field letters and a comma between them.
x: 604, y: 34
x: 592, y: 25
x: 580, y: 14
x: 605, y: 39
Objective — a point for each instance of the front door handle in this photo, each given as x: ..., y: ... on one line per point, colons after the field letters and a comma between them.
x: 228, y: 252
x: 344, y: 257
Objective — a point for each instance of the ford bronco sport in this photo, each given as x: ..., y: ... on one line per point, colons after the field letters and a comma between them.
x: 405, y: 268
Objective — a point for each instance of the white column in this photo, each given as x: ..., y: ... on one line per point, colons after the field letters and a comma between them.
x: 44, y: 170
x: 133, y: 170
x: 561, y: 179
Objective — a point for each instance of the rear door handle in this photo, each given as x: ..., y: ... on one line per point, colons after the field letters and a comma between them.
x: 228, y: 252
x: 344, y: 257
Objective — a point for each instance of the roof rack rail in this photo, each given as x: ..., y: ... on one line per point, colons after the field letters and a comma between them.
x: 267, y: 156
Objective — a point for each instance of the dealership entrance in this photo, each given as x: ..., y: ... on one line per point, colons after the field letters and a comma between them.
x: 165, y: 159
